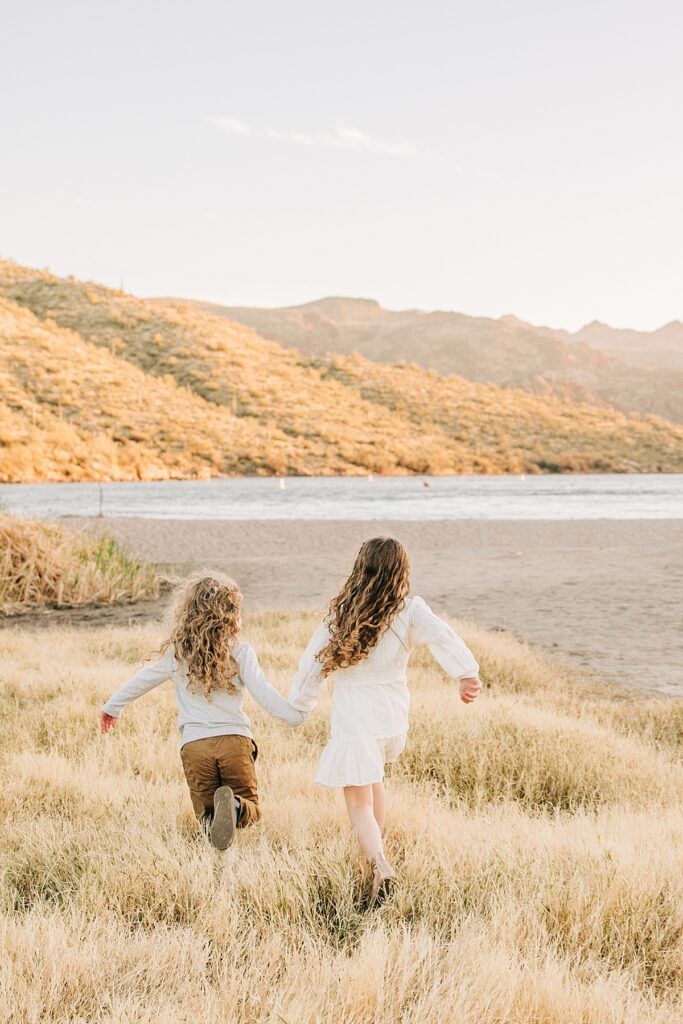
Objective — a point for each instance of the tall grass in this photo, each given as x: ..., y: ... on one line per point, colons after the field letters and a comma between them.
x: 536, y: 836
x: 43, y: 566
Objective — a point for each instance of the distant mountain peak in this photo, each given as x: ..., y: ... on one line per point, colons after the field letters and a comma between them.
x: 341, y: 304
x: 595, y: 325
x: 512, y: 320
x: 673, y: 327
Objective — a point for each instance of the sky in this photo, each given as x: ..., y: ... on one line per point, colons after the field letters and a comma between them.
x: 489, y: 158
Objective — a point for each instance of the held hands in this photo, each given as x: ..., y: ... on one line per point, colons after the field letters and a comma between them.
x: 107, y: 722
x: 469, y: 690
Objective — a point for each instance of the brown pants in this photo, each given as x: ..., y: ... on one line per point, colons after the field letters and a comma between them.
x: 222, y: 761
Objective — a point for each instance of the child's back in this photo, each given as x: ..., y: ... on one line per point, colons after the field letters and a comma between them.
x: 215, y: 670
x: 198, y: 716
x: 370, y: 699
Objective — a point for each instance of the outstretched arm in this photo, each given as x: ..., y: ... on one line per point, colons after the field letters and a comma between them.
x: 145, y: 680
x: 265, y: 695
x: 450, y: 650
x: 308, y: 682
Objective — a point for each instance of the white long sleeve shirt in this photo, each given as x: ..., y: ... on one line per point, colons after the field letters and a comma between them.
x: 198, y: 717
x: 382, y: 672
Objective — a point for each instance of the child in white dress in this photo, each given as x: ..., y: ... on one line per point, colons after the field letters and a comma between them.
x: 364, y: 645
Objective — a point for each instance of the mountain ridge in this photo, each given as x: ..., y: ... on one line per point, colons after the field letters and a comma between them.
x: 96, y: 384
x: 630, y: 370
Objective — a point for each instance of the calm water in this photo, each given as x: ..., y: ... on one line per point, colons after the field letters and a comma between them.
x: 610, y: 496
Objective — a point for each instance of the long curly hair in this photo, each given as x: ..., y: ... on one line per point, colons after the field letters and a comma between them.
x: 204, y: 631
x: 366, y: 604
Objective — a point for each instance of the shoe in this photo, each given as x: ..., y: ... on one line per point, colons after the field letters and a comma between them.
x: 224, y: 821
x: 383, y: 881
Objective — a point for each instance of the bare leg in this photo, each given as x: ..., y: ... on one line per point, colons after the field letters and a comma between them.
x: 378, y: 804
x: 359, y: 804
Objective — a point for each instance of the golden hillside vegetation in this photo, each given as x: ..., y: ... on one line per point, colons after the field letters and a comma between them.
x: 536, y: 835
x: 98, y: 385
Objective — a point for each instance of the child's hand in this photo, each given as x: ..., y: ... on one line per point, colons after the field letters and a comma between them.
x: 107, y: 722
x: 469, y: 690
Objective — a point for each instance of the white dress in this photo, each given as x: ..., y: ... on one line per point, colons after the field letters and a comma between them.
x: 371, y: 700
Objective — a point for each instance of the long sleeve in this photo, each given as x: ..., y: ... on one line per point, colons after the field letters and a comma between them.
x: 451, y: 652
x: 265, y: 695
x: 308, y: 682
x: 145, y: 680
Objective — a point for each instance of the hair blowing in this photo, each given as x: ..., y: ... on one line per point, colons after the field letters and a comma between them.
x: 204, y: 632
x: 368, y: 601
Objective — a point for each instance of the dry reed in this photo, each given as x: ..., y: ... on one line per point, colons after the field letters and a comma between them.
x: 43, y: 566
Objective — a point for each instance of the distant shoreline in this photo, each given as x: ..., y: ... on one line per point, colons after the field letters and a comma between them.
x: 535, y: 473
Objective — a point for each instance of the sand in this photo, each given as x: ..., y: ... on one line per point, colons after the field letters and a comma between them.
x: 604, y: 595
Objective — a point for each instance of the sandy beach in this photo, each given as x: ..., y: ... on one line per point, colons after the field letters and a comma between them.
x: 605, y: 595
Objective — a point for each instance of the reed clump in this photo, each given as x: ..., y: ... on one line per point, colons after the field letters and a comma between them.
x: 42, y: 566
x: 536, y: 835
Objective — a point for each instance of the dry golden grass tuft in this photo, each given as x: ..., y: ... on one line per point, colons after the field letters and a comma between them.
x: 43, y: 566
x: 536, y: 835
x: 97, y: 384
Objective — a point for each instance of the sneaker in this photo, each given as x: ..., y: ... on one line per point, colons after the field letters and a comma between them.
x: 224, y: 821
x: 383, y: 881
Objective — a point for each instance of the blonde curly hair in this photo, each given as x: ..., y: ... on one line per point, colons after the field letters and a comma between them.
x: 204, y: 630
x: 368, y: 601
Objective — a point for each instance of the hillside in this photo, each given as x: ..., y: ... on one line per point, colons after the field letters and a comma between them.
x: 628, y: 369
x: 96, y: 384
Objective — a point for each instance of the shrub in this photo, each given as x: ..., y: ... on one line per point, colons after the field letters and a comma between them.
x: 44, y: 566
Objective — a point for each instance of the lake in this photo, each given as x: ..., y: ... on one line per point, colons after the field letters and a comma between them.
x: 604, y: 496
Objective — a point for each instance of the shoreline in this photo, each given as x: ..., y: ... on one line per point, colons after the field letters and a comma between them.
x: 603, y: 595
x: 464, y: 498
x: 346, y: 476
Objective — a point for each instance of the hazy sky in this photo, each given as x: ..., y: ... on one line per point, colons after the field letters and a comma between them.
x: 488, y: 157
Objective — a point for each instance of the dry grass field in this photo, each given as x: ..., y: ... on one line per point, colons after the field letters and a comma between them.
x: 96, y: 384
x: 537, y: 835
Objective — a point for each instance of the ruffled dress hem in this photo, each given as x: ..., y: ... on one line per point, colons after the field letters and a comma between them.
x: 358, y: 760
